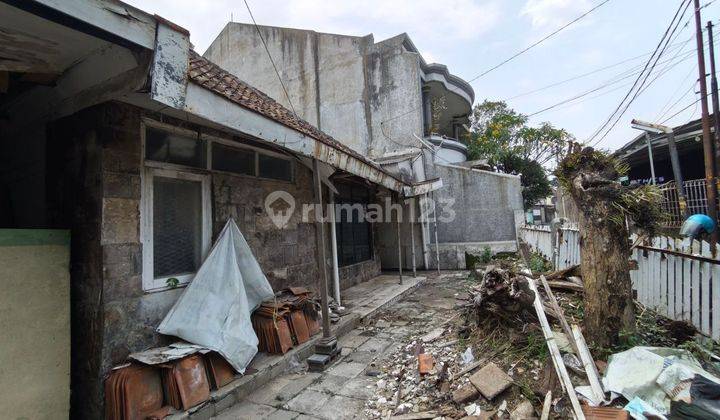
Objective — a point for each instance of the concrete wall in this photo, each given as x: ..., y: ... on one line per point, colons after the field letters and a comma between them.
x: 95, y: 189
x: 486, y: 209
x: 366, y: 95
x: 35, y: 323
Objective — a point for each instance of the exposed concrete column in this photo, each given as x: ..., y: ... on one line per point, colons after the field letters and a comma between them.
x: 427, y: 109
x: 412, y: 234
x: 333, y: 247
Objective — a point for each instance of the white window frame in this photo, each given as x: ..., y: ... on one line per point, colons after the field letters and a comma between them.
x: 151, y: 169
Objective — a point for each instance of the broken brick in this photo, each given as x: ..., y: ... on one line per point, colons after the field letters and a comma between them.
x: 490, y: 380
x: 465, y: 393
x: 425, y: 363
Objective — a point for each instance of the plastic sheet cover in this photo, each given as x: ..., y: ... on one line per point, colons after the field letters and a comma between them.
x: 214, y: 311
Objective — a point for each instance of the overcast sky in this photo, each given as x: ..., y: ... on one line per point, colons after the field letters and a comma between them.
x: 471, y: 36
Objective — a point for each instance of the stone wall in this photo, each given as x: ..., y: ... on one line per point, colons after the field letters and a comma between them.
x: 94, y: 189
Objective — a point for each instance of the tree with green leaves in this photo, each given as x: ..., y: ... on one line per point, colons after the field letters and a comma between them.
x: 501, y: 135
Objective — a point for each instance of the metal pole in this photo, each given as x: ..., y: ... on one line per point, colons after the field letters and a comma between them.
x: 400, y: 261
x: 714, y: 92
x: 650, y: 155
x: 412, y: 234
x: 677, y: 172
x: 333, y: 247
x: 437, y: 246
x: 423, y: 233
x: 320, y: 235
x: 707, y: 139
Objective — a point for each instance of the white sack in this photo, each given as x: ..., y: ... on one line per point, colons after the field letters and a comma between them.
x: 214, y: 311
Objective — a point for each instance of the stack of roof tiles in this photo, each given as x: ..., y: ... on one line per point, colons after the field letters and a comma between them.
x: 290, y: 319
x: 134, y: 392
x: 185, y: 382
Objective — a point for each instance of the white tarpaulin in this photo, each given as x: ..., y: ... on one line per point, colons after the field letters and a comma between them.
x: 214, y: 311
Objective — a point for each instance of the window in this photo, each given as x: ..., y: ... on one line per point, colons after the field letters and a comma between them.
x: 275, y: 168
x: 175, y: 226
x: 164, y: 146
x: 354, y: 233
x: 230, y: 159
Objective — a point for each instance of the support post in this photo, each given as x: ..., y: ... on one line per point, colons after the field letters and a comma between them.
x: 333, y: 247
x: 400, y: 261
x: 707, y: 139
x: 326, y: 348
x: 677, y: 172
x: 650, y: 156
x: 412, y: 234
x: 437, y: 246
x: 424, y: 232
x: 714, y: 93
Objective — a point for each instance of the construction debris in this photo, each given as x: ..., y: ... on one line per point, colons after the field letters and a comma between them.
x: 490, y: 381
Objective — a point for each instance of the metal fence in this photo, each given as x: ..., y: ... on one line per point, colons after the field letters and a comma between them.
x: 678, y: 278
x: 695, y: 194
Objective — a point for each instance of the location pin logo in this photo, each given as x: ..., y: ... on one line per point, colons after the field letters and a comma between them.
x: 280, y: 205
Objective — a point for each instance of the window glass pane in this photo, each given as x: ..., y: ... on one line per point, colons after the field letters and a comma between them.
x: 239, y: 161
x: 177, y: 226
x: 162, y: 146
x: 275, y: 168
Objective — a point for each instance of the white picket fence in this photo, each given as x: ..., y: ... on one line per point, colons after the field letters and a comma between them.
x: 677, y: 278
x: 541, y: 241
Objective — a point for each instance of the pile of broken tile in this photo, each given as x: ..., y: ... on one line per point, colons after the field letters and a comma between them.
x: 451, y: 388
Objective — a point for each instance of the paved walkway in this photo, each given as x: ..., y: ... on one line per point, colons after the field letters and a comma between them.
x: 341, y: 391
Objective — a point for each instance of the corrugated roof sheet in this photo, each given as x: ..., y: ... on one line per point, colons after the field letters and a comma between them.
x: 212, y: 77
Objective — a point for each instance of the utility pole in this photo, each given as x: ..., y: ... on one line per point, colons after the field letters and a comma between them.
x: 707, y: 139
x: 650, y: 156
x: 714, y: 93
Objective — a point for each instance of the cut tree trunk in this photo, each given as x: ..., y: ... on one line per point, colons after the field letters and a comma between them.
x: 604, y: 263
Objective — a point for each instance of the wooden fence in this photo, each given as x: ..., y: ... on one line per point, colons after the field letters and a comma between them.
x: 678, y: 278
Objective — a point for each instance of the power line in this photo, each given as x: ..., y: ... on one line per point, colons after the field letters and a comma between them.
x: 678, y: 113
x: 625, y: 103
x: 262, y: 38
x: 614, y: 80
x: 535, y: 44
x: 580, y: 76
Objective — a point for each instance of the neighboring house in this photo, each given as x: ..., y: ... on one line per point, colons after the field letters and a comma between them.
x: 542, y: 212
x: 113, y: 128
x: 384, y: 101
x: 688, y: 138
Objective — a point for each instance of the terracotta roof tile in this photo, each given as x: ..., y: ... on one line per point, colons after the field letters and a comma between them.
x: 210, y: 76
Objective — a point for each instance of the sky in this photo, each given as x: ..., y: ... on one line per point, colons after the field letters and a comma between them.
x: 471, y: 36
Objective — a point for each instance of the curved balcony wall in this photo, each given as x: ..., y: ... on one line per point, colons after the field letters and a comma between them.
x: 451, y: 150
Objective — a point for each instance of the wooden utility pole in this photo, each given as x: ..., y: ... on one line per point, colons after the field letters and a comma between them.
x: 714, y: 92
x: 708, y: 151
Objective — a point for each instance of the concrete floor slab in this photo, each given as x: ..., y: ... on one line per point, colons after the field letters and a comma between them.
x: 341, y: 408
x: 359, y: 387
x: 347, y: 370
x: 283, y: 415
x: 246, y: 410
x: 329, y: 384
x: 375, y: 345
x: 308, y: 402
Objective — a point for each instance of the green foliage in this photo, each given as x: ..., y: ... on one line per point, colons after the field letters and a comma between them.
x: 538, y: 264
x: 172, y: 282
x: 486, y: 255
x: 501, y: 135
x: 599, y: 172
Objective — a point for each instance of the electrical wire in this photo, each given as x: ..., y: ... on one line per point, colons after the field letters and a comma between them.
x: 639, y: 83
x: 262, y: 38
x: 535, y: 44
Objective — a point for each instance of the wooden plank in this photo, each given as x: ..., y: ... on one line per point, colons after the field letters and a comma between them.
x: 546, y: 406
x: 671, y: 280
x: 561, y: 314
x: 642, y: 265
x: 705, y: 269
x: 695, y: 288
x: 715, y: 293
x: 555, y: 353
x: 687, y: 290
x: 662, y: 279
x: 679, y: 274
x: 588, y: 364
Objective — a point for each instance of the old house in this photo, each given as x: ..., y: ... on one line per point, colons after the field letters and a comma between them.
x: 384, y: 101
x: 114, y: 128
